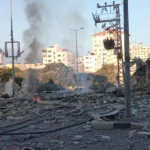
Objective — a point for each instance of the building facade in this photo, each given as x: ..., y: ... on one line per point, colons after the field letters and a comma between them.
x: 104, y: 56
x: 54, y: 54
x: 139, y: 51
x: 90, y: 62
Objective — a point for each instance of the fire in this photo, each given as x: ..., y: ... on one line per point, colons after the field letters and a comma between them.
x: 36, y: 98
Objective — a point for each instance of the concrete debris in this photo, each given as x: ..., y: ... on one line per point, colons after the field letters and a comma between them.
x: 132, y: 133
x: 61, y: 121
x: 143, y: 133
x: 111, y: 89
x: 87, y: 128
x: 105, y: 138
x: 78, y: 138
x: 141, y: 78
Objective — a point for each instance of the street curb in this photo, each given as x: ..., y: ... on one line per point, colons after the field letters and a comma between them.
x: 116, y: 125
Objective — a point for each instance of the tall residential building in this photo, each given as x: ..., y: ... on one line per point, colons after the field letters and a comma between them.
x: 90, y: 62
x: 139, y: 51
x: 104, y: 56
x: 54, y: 54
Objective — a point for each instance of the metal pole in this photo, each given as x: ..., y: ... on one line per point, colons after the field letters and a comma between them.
x: 77, y: 57
x: 103, y: 62
x: 118, y: 75
x: 12, y: 46
x: 77, y: 51
x: 127, y: 61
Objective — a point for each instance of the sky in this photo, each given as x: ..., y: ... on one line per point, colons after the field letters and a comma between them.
x: 59, y: 16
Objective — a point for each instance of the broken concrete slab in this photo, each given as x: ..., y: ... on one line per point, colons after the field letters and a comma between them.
x: 111, y: 89
x: 105, y: 138
x: 8, y: 88
x: 142, y: 133
x: 78, y: 138
x: 132, y: 133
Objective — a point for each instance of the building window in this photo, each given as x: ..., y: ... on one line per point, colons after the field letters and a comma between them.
x: 49, y: 55
x: 44, y: 51
x: 49, y: 51
x: 86, y: 58
x: 54, y: 57
x: 59, y: 55
x: 87, y: 67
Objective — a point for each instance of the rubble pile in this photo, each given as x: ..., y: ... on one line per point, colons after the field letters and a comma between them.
x: 63, y: 119
x: 140, y: 81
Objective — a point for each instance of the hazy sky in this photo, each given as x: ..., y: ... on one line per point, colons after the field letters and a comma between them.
x: 59, y: 16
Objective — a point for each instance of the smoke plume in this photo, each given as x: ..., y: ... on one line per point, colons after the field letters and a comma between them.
x: 32, y: 36
x: 50, y: 22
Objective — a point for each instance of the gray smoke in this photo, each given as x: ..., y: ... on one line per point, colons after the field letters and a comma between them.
x: 50, y: 22
x: 32, y: 37
x: 63, y: 16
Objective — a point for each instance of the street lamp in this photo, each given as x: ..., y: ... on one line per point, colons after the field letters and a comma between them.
x: 75, y: 30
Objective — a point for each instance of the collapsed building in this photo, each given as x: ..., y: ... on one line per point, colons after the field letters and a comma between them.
x: 141, y: 77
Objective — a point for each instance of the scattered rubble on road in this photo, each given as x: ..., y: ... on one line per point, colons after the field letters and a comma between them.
x: 54, y: 120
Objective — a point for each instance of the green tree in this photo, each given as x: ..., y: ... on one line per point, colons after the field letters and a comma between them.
x: 110, y: 71
x: 59, y: 73
x: 6, y: 73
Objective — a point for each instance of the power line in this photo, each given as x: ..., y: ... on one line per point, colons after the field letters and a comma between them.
x: 4, y: 38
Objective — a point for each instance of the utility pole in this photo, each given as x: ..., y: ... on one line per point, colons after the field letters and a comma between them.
x: 127, y: 61
x: 12, y: 46
x: 115, y: 25
x: 103, y: 63
x: 75, y: 30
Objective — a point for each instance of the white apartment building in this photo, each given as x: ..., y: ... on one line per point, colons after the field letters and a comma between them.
x: 54, y: 54
x: 90, y: 62
x: 104, y: 56
x: 139, y: 51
